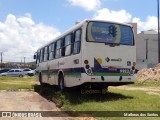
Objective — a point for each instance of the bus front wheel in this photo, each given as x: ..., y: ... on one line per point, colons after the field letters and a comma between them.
x: 40, y: 78
x: 40, y: 81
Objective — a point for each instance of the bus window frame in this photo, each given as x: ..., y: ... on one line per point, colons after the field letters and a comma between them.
x: 80, y: 40
x: 38, y: 57
x: 70, y: 44
x: 60, y: 48
x: 42, y: 55
x: 106, y: 43
x: 52, y: 51
x: 46, y: 53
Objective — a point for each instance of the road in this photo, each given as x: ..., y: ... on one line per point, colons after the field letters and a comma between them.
x: 27, y: 101
x: 31, y: 101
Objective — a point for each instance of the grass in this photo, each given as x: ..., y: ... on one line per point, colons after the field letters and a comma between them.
x: 114, y: 100
x: 145, y: 84
x: 26, y: 78
x: 14, y: 83
x: 76, y: 100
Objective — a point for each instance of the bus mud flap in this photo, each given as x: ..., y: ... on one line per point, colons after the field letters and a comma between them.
x: 120, y: 78
x: 102, y: 78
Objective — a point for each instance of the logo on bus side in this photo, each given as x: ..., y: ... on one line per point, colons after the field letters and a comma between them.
x: 113, y: 59
x: 107, y: 59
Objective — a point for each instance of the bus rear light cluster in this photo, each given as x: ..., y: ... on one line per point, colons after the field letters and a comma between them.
x: 133, y: 68
x: 87, y: 67
x: 89, y: 71
x: 86, y: 62
x: 134, y: 64
x: 132, y: 71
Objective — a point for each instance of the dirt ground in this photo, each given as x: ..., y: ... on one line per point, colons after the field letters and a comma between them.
x: 29, y: 101
x: 149, y: 74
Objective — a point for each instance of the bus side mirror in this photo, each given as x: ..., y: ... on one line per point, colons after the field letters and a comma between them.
x: 34, y: 57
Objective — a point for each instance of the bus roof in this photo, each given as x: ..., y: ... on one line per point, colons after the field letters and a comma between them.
x: 76, y: 26
x: 94, y: 20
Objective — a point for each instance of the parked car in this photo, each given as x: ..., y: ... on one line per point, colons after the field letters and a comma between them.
x: 4, y: 70
x: 29, y: 72
x: 13, y: 73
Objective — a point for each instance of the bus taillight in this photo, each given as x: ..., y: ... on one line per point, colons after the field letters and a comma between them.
x: 134, y: 64
x: 86, y: 62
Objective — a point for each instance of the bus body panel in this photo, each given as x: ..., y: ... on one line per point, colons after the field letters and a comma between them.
x: 96, y: 63
x: 109, y: 65
x: 70, y: 67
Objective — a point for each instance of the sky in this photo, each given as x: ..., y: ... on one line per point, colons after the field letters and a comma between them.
x: 26, y: 25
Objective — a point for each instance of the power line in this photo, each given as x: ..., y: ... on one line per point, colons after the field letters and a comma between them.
x: 24, y: 60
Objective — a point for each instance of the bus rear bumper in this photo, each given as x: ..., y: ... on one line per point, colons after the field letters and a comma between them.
x: 110, y: 80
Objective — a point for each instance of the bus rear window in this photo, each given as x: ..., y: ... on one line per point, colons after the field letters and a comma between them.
x: 104, y: 32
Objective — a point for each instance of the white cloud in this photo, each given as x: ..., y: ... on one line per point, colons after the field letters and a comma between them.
x: 88, y: 5
x: 110, y: 15
x: 124, y: 17
x: 150, y: 23
x: 117, y: 16
x: 21, y: 37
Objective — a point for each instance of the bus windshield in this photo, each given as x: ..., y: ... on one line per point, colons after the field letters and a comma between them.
x: 110, y: 33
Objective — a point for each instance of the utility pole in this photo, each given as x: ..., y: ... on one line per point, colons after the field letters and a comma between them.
x: 1, y: 60
x: 158, y: 32
x: 24, y: 61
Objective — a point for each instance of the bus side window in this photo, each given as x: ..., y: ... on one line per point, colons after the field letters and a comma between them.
x: 41, y: 55
x: 62, y: 47
x: 77, y: 42
x: 58, y: 49
x: 46, y: 53
x: 52, y: 51
x: 38, y: 57
x: 67, y: 45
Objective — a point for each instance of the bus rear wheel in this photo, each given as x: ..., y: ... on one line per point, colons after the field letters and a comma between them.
x: 61, y: 83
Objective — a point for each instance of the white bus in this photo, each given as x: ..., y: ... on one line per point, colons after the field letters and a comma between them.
x: 92, y: 52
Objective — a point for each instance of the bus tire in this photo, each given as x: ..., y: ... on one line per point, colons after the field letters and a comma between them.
x: 61, y: 82
x: 40, y: 80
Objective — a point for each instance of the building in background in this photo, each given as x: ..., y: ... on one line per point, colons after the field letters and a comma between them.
x: 147, y: 49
